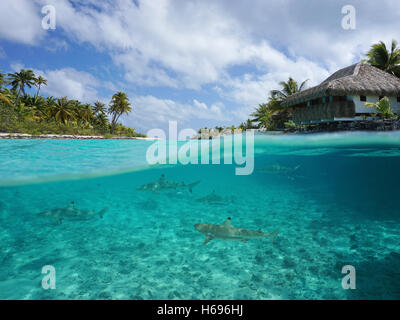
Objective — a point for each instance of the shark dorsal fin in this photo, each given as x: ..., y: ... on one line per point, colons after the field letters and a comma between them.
x: 227, y: 223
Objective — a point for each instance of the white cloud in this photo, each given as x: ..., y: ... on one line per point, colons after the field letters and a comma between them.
x: 193, y: 43
x: 20, y: 21
x: 312, y: 28
x: 17, y: 66
x: 252, y: 89
x: 150, y: 112
x: 54, y: 45
x: 69, y: 82
x: 166, y: 43
x: 153, y: 40
x: 140, y: 72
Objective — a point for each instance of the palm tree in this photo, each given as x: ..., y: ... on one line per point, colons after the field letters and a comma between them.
x: 47, y: 110
x: 62, y: 110
x: 39, y: 82
x: 266, y: 114
x: 260, y: 112
x: 263, y: 114
x: 381, y: 58
x: 383, y: 107
x: 119, y: 105
x: 248, y: 124
x: 20, y: 80
x: 242, y: 126
x: 99, y: 108
x: 32, y: 107
x: 85, y: 114
x: 51, y: 101
x: 288, y: 88
x: 38, y: 104
x: 101, y: 121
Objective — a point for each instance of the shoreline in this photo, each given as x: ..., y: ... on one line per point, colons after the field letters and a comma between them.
x: 381, y: 125
x: 66, y: 136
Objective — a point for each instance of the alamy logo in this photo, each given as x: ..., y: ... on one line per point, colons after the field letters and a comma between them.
x: 49, y: 280
x: 228, y: 146
x: 49, y: 20
x: 349, y: 281
x: 349, y: 20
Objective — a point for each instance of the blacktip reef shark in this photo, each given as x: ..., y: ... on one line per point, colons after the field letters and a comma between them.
x: 283, y: 170
x: 228, y: 232
x: 215, y: 199
x: 71, y: 213
x: 163, y: 184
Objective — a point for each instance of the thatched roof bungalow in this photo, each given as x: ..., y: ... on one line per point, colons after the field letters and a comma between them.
x: 342, y: 96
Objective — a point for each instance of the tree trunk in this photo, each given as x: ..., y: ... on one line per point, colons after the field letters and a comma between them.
x: 114, y: 122
x: 17, y: 99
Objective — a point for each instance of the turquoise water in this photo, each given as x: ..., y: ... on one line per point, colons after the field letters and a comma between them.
x: 340, y: 207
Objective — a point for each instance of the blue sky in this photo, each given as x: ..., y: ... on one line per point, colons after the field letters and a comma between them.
x: 199, y: 62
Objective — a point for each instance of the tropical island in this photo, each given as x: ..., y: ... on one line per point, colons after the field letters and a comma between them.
x: 25, y: 115
x: 364, y: 96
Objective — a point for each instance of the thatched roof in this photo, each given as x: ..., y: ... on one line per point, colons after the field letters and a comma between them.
x: 358, y: 79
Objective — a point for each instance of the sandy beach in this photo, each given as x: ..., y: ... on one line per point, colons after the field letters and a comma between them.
x: 63, y: 136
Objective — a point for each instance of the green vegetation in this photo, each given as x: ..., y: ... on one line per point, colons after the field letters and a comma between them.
x: 19, y: 80
x: 271, y: 115
x: 119, y: 105
x: 247, y: 125
x: 290, y: 125
x: 381, y: 58
x: 382, y: 107
x: 21, y: 112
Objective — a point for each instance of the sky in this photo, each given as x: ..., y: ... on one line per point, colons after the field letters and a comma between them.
x: 202, y: 63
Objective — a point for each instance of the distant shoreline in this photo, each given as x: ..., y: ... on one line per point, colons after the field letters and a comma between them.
x: 66, y: 136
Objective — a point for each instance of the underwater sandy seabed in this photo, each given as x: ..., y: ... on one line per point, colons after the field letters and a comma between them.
x: 335, y: 211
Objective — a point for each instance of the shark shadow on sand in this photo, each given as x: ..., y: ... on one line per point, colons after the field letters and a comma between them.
x: 215, y: 199
x: 228, y: 232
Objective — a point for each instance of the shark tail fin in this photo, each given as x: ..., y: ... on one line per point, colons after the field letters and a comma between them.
x: 272, y: 235
x: 102, y: 212
x: 207, y: 240
x: 192, y: 185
